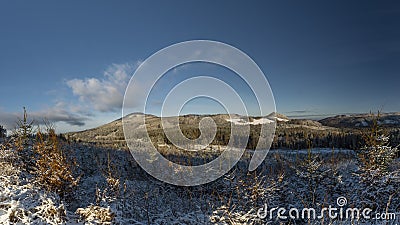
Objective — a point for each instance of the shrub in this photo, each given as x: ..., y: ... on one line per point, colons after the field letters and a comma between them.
x: 53, y: 169
x: 41, y: 154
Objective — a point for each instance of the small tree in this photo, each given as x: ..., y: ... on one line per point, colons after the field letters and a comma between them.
x: 311, y: 170
x: 24, y: 131
x: 3, y: 132
x: 23, y: 141
x: 376, y: 156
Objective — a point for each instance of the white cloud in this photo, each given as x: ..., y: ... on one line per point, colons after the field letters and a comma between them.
x: 95, y: 95
x: 106, y: 94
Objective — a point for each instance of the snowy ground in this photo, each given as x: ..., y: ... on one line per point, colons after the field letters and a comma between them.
x: 113, y: 189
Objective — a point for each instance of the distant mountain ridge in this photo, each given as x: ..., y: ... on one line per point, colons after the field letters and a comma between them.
x: 342, y: 131
x: 362, y: 120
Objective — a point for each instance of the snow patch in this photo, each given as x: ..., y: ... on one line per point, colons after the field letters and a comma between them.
x: 254, y: 122
x: 281, y: 119
x: 390, y: 122
x: 363, y: 123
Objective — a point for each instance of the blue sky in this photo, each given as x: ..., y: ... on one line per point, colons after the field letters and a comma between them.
x: 69, y: 61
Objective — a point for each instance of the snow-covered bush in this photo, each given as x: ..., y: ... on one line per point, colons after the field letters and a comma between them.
x: 95, y: 215
x: 377, y: 155
x: 311, y: 171
x: 379, y: 188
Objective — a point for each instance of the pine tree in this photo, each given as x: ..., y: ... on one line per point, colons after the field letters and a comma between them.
x: 24, y: 131
x: 3, y: 132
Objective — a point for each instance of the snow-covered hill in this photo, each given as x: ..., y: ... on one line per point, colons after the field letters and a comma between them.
x: 362, y: 120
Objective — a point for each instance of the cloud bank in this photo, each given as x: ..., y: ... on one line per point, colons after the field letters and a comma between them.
x: 57, y: 113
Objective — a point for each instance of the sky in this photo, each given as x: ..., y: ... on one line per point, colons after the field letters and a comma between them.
x: 70, y: 62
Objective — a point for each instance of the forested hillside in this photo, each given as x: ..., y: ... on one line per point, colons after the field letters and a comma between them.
x: 341, y: 132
